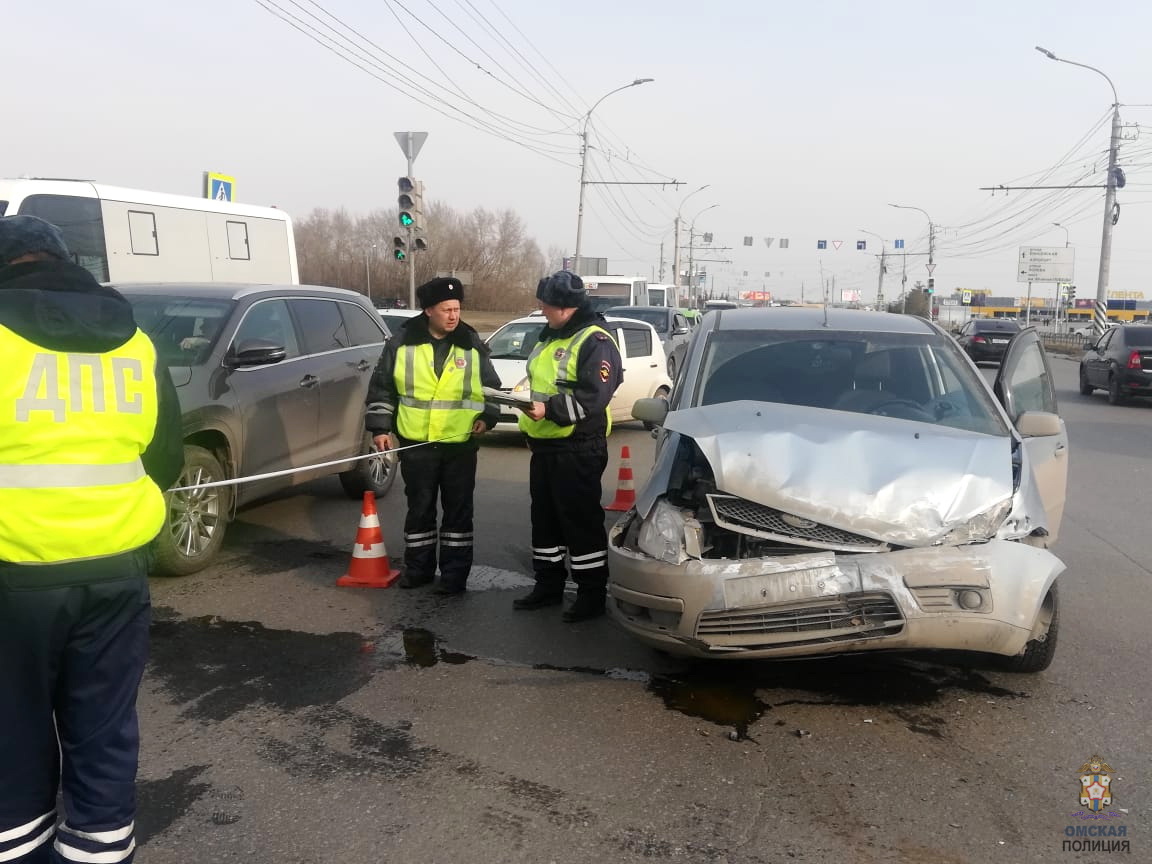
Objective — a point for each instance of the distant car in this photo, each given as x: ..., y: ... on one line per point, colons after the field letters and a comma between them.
x: 270, y: 377
x: 670, y: 324
x: 1120, y: 363
x: 985, y: 339
x: 840, y: 481
x: 642, y: 355
x: 394, y: 319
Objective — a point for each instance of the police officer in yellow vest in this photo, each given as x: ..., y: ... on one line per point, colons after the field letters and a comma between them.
x: 574, y: 370
x: 89, y: 436
x: 427, y: 387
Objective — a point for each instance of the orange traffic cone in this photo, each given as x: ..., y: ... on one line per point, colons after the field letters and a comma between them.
x: 625, y: 489
x: 369, y: 567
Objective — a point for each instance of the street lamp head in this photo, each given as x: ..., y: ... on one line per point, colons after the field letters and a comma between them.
x: 642, y: 81
x: 1047, y: 53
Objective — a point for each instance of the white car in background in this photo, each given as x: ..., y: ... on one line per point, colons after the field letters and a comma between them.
x: 644, y: 363
x: 394, y: 319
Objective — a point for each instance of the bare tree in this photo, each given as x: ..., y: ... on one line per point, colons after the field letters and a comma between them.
x: 336, y: 249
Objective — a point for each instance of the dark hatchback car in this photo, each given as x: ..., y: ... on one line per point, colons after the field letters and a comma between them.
x: 1120, y: 363
x: 986, y: 339
x: 270, y: 378
x: 670, y: 325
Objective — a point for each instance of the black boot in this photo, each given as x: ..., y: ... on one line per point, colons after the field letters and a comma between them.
x: 540, y: 596
x: 413, y: 580
x: 584, y: 607
x: 448, y: 588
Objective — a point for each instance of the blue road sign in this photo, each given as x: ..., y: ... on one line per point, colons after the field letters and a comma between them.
x: 899, y: 244
x: 219, y: 187
x: 821, y: 244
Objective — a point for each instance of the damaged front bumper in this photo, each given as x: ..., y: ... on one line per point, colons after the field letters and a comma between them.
x: 982, y: 597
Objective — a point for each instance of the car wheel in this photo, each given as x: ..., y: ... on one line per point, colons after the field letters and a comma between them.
x: 370, y: 475
x: 194, y: 526
x: 662, y: 392
x: 1115, y: 394
x: 1041, y: 646
x: 672, y: 368
x: 1086, y: 389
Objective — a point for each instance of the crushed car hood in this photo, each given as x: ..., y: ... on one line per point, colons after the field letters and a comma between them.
x: 900, y: 481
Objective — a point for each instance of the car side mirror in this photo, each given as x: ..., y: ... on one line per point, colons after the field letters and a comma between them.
x: 653, y: 410
x: 680, y: 331
x: 1038, y: 424
x: 255, y: 352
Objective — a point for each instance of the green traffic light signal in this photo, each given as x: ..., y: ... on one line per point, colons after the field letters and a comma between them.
x: 406, y: 219
x: 399, y: 254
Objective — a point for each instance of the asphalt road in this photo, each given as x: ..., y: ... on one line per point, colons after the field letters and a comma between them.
x: 287, y: 720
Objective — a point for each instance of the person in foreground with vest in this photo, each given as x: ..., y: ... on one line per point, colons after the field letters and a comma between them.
x: 428, y: 387
x: 574, y: 370
x: 90, y: 434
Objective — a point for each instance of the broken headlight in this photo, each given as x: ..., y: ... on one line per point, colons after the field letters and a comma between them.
x: 980, y: 528
x: 670, y: 534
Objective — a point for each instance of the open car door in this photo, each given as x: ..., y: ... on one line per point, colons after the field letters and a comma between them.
x: 1024, y: 387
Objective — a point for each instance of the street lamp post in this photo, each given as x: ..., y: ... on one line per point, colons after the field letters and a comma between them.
x: 584, y: 165
x: 931, y: 249
x: 676, y: 238
x: 368, y: 270
x: 692, y: 288
x: 883, y: 268
x: 1100, y: 320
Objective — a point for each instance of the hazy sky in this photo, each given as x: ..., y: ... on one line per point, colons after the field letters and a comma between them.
x: 805, y: 119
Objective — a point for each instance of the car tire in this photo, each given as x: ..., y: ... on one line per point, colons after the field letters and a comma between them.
x: 1086, y: 389
x: 1115, y: 393
x: 1041, y: 647
x: 663, y: 391
x: 672, y: 368
x: 194, y: 521
x: 370, y: 475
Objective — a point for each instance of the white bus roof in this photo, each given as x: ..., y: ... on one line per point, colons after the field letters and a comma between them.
x: 16, y: 189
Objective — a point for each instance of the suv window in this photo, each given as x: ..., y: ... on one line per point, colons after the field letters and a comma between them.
x: 362, y: 329
x: 269, y: 321
x: 322, y: 325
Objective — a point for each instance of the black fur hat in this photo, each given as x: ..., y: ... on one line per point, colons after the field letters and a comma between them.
x: 24, y: 235
x: 438, y: 290
x: 562, y: 289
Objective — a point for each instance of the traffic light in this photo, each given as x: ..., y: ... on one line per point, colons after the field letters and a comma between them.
x: 931, y: 285
x: 707, y: 236
x: 419, y: 244
x: 1071, y: 295
x: 399, y: 249
x: 411, y: 203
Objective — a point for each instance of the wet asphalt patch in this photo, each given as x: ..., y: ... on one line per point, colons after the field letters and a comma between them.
x: 220, y: 668
x: 161, y: 802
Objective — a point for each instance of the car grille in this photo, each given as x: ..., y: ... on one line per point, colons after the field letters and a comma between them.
x: 851, y: 617
x: 737, y: 514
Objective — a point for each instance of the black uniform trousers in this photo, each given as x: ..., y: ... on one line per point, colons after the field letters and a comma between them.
x: 447, y: 471
x: 567, y: 517
x: 71, y: 660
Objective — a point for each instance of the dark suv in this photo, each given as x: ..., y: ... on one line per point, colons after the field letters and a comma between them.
x: 270, y: 378
x: 986, y: 339
x: 1120, y: 362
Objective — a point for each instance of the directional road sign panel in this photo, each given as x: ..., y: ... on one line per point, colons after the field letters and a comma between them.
x: 1046, y: 264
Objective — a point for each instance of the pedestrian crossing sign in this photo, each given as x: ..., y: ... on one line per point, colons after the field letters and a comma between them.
x: 219, y: 187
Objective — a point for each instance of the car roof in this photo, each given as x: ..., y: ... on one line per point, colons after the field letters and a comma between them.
x: 815, y: 318
x: 996, y: 324
x: 665, y: 309
x: 535, y: 318
x: 401, y: 313
x: 229, y: 290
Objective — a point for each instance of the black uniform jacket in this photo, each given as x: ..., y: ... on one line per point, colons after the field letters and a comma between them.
x: 383, y: 399
x: 61, y: 307
x: 598, y: 374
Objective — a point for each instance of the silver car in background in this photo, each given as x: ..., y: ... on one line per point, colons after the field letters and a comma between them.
x: 844, y: 481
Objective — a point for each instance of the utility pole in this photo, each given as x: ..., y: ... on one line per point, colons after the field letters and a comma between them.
x: 880, y: 283
x: 661, y: 279
x: 676, y: 253
x: 1100, y: 320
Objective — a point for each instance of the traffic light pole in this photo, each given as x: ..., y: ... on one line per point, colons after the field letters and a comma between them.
x: 411, y: 248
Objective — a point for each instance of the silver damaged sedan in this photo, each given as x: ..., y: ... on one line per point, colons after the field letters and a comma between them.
x: 838, y: 481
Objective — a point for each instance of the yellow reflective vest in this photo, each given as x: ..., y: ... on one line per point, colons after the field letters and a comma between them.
x: 552, y: 367
x: 72, y: 429
x: 435, y: 408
